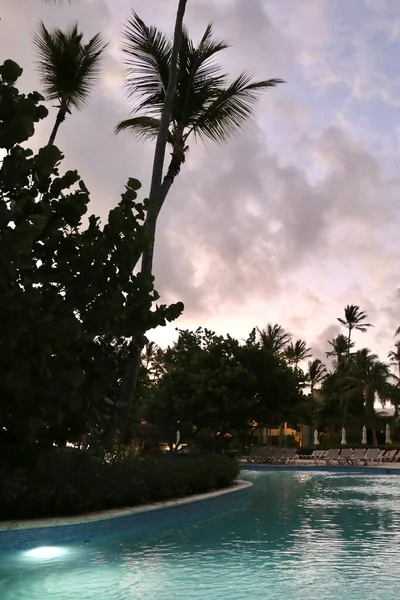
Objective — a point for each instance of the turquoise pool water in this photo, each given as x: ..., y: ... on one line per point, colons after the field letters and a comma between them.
x: 297, y: 536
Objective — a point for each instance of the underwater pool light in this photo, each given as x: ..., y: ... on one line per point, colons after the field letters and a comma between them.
x: 46, y: 552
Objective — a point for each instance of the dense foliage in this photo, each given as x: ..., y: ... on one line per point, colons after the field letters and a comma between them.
x: 72, y: 482
x: 208, y: 385
x: 213, y: 388
x: 68, y: 297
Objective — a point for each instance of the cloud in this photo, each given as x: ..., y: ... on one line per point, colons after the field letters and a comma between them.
x: 297, y: 215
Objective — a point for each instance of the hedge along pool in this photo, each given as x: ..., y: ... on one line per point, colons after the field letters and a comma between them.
x: 306, y: 534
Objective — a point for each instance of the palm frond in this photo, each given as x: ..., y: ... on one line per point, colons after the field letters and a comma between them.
x: 147, y: 57
x: 230, y: 108
x: 363, y: 328
x: 68, y: 68
x: 198, y: 64
x: 200, y: 76
x: 142, y: 127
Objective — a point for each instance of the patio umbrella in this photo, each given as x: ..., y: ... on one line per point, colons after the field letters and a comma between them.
x: 387, y: 431
x: 316, y: 440
x: 364, y: 435
x: 343, y: 440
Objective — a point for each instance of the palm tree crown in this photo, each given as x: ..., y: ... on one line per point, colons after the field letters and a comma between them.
x: 205, y: 104
x: 68, y: 68
x: 340, y: 349
x: 297, y: 352
x: 274, y: 338
x: 354, y: 320
x: 394, y: 355
x: 316, y: 372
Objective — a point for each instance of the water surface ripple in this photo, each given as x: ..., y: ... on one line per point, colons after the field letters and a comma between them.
x: 297, y: 536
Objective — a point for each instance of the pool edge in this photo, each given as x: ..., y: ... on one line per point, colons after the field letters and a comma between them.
x: 18, y: 534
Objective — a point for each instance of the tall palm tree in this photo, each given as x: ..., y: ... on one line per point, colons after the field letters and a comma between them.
x: 372, y: 376
x: 206, y: 106
x: 68, y: 68
x: 316, y: 373
x: 354, y: 319
x: 274, y: 338
x: 138, y: 341
x: 297, y: 352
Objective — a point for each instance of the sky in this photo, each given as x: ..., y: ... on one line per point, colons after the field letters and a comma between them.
x: 296, y: 216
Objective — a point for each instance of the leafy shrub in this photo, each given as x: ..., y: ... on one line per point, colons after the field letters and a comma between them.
x: 71, y: 482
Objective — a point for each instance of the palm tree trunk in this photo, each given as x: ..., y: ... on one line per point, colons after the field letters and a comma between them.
x: 346, y: 404
x: 62, y: 111
x: 370, y: 412
x: 129, y: 387
x: 129, y: 384
x: 173, y: 170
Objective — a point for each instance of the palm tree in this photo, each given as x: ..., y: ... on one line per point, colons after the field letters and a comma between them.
x: 372, y: 377
x: 297, y: 352
x: 394, y: 356
x: 68, y: 68
x: 354, y: 320
x: 274, y: 338
x: 149, y: 354
x: 206, y: 106
x: 138, y: 341
x: 340, y: 350
x: 316, y: 373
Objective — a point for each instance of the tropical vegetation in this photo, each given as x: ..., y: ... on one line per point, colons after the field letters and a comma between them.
x: 68, y: 68
x: 77, y: 366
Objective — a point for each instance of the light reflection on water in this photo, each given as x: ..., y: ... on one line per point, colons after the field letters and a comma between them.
x: 300, y: 535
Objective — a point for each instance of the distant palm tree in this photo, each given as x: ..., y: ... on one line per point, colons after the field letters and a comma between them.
x: 68, y: 68
x: 354, y: 320
x: 394, y: 356
x: 297, y: 352
x: 149, y: 353
x: 340, y: 350
x: 274, y: 338
x: 316, y: 373
x: 206, y: 106
x: 372, y: 376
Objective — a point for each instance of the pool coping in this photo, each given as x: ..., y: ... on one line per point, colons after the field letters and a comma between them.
x: 105, y: 515
x: 365, y: 470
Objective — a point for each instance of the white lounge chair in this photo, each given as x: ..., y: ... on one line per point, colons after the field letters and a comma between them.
x: 390, y: 456
x: 290, y: 456
x: 331, y: 455
x: 345, y: 456
x: 357, y: 456
x: 372, y: 455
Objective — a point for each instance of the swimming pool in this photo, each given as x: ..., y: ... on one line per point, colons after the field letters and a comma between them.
x: 296, y: 535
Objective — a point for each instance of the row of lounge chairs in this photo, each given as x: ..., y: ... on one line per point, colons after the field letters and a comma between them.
x: 273, y: 455
x: 346, y: 456
x: 360, y: 456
